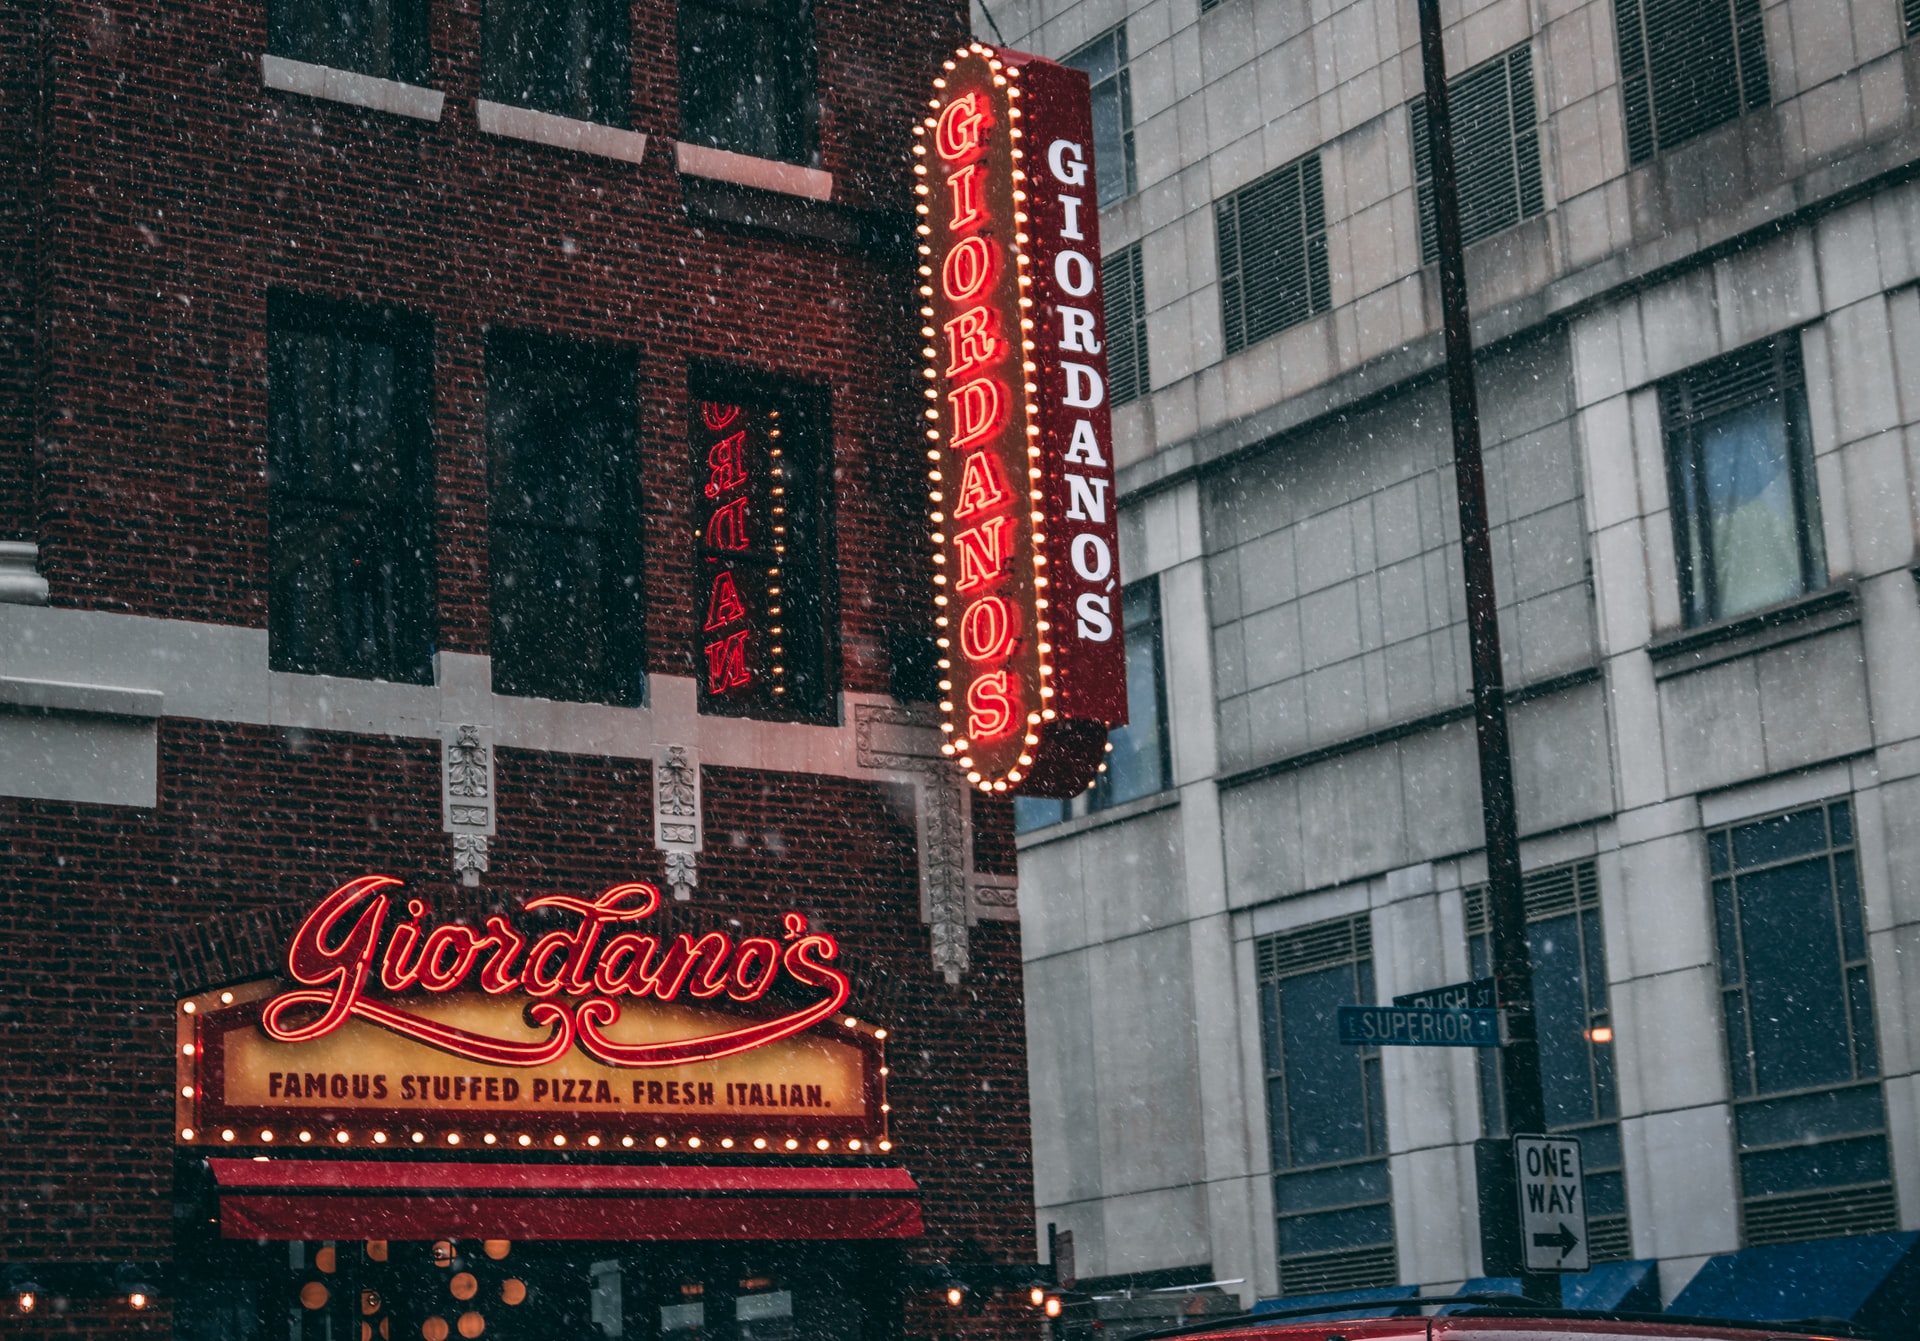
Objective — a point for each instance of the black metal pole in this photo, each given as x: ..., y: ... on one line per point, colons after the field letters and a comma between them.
x: 1506, y: 903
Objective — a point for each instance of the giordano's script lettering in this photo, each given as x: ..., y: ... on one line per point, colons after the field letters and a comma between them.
x: 352, y: 946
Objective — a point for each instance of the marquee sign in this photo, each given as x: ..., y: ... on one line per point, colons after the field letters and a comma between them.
x: 1022, y: 508
x: 398, y: 1029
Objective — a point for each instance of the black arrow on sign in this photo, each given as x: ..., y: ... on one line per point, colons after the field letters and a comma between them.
x: 1566, y: 1241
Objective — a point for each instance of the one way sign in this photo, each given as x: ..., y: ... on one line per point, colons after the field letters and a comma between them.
x: 1553, y: 1203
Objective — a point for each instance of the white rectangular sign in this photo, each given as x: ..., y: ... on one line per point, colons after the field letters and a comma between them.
x: 1553, y: 1202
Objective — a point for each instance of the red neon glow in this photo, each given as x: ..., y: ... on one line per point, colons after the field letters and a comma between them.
x: 983, y: 554
x: 986, y: 629
x: 726, y: 464
x: 724, y: 605
x: 969, y: 268
x: 972, y: 341
x: 961, y: 131
x: 727, y: 663
x: 716, y: 416
x: 969, y: 208
x: 334, y: 951
x: 980, y: 485
x: 979, y: 409
x: 727, y: 527
x: 989, y: 709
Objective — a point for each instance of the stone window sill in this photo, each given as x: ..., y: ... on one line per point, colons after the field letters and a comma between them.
x: 560, y: 132
x: 1098, y: 819
x: 1789, y: 622
x: 93, y: 700
x: 356, y: 90
x: 722, y: 165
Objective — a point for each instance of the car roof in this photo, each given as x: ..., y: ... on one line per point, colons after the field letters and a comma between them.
x: 1505, y: 1324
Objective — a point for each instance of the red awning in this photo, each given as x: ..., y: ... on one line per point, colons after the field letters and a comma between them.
x: 372, y: 1199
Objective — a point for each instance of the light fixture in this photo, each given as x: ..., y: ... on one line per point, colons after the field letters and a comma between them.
x: 1038, y: 1294
x: 956, y: 1295
x: 1053, y: 1306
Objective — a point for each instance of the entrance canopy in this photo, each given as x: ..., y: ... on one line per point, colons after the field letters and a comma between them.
x: 374, y: 1199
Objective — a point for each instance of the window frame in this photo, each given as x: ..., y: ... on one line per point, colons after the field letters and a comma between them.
x: 1129, y: 369
x: 408, y: 517
x: 1682, y: 420
x: 1639, y: 53
x: 797, y: 127
x: 1524, y: 179
x: 1238, y: 326
x: 582, y: 99
x: 1122, y: 79
x: 622, y: 566
x: 408, y: 57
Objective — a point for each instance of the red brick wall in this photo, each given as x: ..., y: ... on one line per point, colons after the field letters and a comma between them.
x: 254, y: 823
x: 185, y: 191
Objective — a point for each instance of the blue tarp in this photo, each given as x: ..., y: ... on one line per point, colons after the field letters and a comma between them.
x: 1622, y: 1287
x: 1372, y: 1298
x: 1871, y: 1280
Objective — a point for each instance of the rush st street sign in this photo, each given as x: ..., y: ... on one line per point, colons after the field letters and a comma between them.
x: 1021, y: 508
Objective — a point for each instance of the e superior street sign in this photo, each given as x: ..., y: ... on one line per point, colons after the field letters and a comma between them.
x: 1553, y: 1203
x: 1419, y: 1026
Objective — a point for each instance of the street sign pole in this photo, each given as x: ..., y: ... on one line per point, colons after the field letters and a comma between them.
x: 1506, y: 905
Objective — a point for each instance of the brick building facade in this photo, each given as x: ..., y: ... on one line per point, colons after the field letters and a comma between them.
x: 502, y: 239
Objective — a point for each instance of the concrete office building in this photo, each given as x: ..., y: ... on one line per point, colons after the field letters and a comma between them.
x: 1695, y: 240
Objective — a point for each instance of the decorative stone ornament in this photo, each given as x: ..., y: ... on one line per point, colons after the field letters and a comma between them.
x: 466, y: 797
x: 676, y: 816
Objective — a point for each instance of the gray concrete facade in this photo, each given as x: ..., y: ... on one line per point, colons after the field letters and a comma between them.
x: 1295, y: 501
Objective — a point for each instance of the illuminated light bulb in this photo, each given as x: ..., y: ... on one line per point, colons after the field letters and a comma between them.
x: 627, y: 1141
x: 1001, y: 786
x: 188, y: 1007
x: 342, y: 1137
x: 138, y: 1300
x: 973, y: 777
x: 1053, y: 1306
x: 26, y: 1301
x: 759, y: 1143
x: 186, y: 1091
x: 453, y: 1138
x: 693, y: 1143
x: 850, y: 1022
x: 491, y: 1139
x: 305, y: 1137
x: 593, y: 1140
x: 186, y: 1133
x: 1601, y: 1033
x: 558, y: 1139
x: 660, y: 1142
x: 187, y: 1049
x: 227, y: 1135
x: 726, y: 1143
x: 1037, y: 1296
x: 418, y: 1137
x: 792, y: 1143
x: 879, y: 1033
x: 525, y: 1139
x: 226, y: 998
x: 854, y: 1144
x: 956, y: 1296
x: 886, y: 1145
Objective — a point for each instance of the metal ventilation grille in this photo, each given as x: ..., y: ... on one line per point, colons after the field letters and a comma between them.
x: 1912, y: 8
x: 1607, y: 1238
x: 1496, y: 150
x: 1339, y: 942
x: 1549, y: 893
x: 1273, y: 253
x: 1820, y: 1215
x: 1687, y: 66
x: 1123, y: 284
x: 1756, y: 373
x: 1352, y: 1269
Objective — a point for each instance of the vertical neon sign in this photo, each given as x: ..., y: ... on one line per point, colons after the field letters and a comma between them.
x: 1026, y: 581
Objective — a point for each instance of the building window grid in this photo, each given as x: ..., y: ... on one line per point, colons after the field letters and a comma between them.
x: 1104, y: 61
x: 1123, y: 282
x: 1272, y: 237
x: 1566, y: 900
x: 563, y: 57
x: 1497, y: 145
x: 1334, y: 1199
x: 1687, y: 66
x: 1709, y: 495
x: 747, y: 78
x: 1784, y: 1118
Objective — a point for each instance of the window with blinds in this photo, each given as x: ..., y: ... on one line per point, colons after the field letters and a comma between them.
x: 1273, y: 253
x: 1496, y: 150
x: 1911, y: 9
x: 1326, y: 1113
x: 1576, y: 1036
x: 1687, y: 66
x: 1123, y: 282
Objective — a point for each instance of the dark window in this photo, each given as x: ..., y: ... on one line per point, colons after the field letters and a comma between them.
x: 567, y: 57
x: 350, y: 492
x: 384, y: 38
x: 1496, y: 150
x: 1687, y: 66
x: 1746, y: 511
x: 565, y: 552
x: 747, y: 77
x: 1576, y: 1036
x: 1273, y: 253
x: 1798, y: 1003
x: 1105, y: 61
x: 1123, y: 282
x: 1326, y: 1116
x: 1911, y: 11
x: 764, y: 638
x: 1138, y: 760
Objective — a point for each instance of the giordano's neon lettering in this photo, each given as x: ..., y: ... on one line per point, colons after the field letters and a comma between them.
x: 347, y: 948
